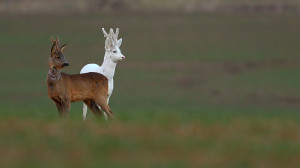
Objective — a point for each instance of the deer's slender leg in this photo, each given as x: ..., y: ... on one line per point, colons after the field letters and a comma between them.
x: 104, y: 114
x: 59, y: 107
x: 66, y: 106
x: 93, y: 107
x: 62, y: 107
x: 102, y: 102
x: 84, y: 111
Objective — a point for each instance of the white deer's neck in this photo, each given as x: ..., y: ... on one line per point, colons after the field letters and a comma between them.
x: 108, y: 67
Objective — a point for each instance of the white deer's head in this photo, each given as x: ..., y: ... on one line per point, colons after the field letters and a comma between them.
x: 112, y: 46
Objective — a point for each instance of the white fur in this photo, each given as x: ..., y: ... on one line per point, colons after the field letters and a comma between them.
x: 112, y: 56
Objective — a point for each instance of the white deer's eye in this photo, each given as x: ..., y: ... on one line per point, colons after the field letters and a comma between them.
x: 114, y: 51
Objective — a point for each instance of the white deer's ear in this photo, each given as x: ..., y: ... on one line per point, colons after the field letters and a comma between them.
x: 119, y: 42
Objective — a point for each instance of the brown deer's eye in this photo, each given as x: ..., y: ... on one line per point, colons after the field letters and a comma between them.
x: 58, y: 58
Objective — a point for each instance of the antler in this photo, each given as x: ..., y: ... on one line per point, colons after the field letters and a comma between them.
x: 117, y: 34
x: 111, y: 37
x: 104, y: 32
x: 55, y: 42
x: 52, y: 39
x: 111, y: 32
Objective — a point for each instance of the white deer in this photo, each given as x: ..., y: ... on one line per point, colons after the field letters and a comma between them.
x: 112, y: 56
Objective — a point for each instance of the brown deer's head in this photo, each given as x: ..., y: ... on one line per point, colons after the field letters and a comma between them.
x: 57, y: 59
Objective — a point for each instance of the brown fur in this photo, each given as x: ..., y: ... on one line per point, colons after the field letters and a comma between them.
x: 91, y: 88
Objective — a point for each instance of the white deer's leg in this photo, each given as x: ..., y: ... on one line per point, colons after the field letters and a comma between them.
x: 84, y: 111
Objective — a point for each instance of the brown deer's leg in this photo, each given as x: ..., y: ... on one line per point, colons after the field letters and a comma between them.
x: 66, y: 108
x: 60, y: 109
x: 102, y: 102
x: 63, y: 108
x: 93, y: 107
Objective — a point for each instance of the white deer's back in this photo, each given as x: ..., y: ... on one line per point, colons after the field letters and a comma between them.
x: 96, y: 68
x: 91, y: 68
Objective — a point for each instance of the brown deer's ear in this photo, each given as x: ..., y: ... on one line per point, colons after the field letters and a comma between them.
x: 62, y: 48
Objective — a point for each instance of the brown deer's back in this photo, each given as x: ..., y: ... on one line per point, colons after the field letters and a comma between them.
x: 85, y: 86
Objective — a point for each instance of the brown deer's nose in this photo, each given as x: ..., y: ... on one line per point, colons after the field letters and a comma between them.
x: 66, y: 64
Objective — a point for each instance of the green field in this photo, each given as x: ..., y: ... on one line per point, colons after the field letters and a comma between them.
x: 195, y: 91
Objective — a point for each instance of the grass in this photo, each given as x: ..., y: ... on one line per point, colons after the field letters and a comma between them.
x: 195, y: 91
x: 240, y: 142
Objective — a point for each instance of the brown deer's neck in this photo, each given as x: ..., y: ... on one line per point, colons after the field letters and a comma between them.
x: 54, y: 76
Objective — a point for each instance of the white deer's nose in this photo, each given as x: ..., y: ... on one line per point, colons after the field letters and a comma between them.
x: 123, y: 58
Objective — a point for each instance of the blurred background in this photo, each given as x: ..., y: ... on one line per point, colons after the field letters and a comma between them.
x: 206, y: 83
x: 188, y: 6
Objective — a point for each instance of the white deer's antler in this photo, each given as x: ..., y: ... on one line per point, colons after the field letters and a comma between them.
x: 111, y: 31
x: 111, y: 38
x: 117, y: 34
x: 104, y: 32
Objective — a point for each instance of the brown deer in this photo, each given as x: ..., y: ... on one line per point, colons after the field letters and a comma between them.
x: 91, y: 88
